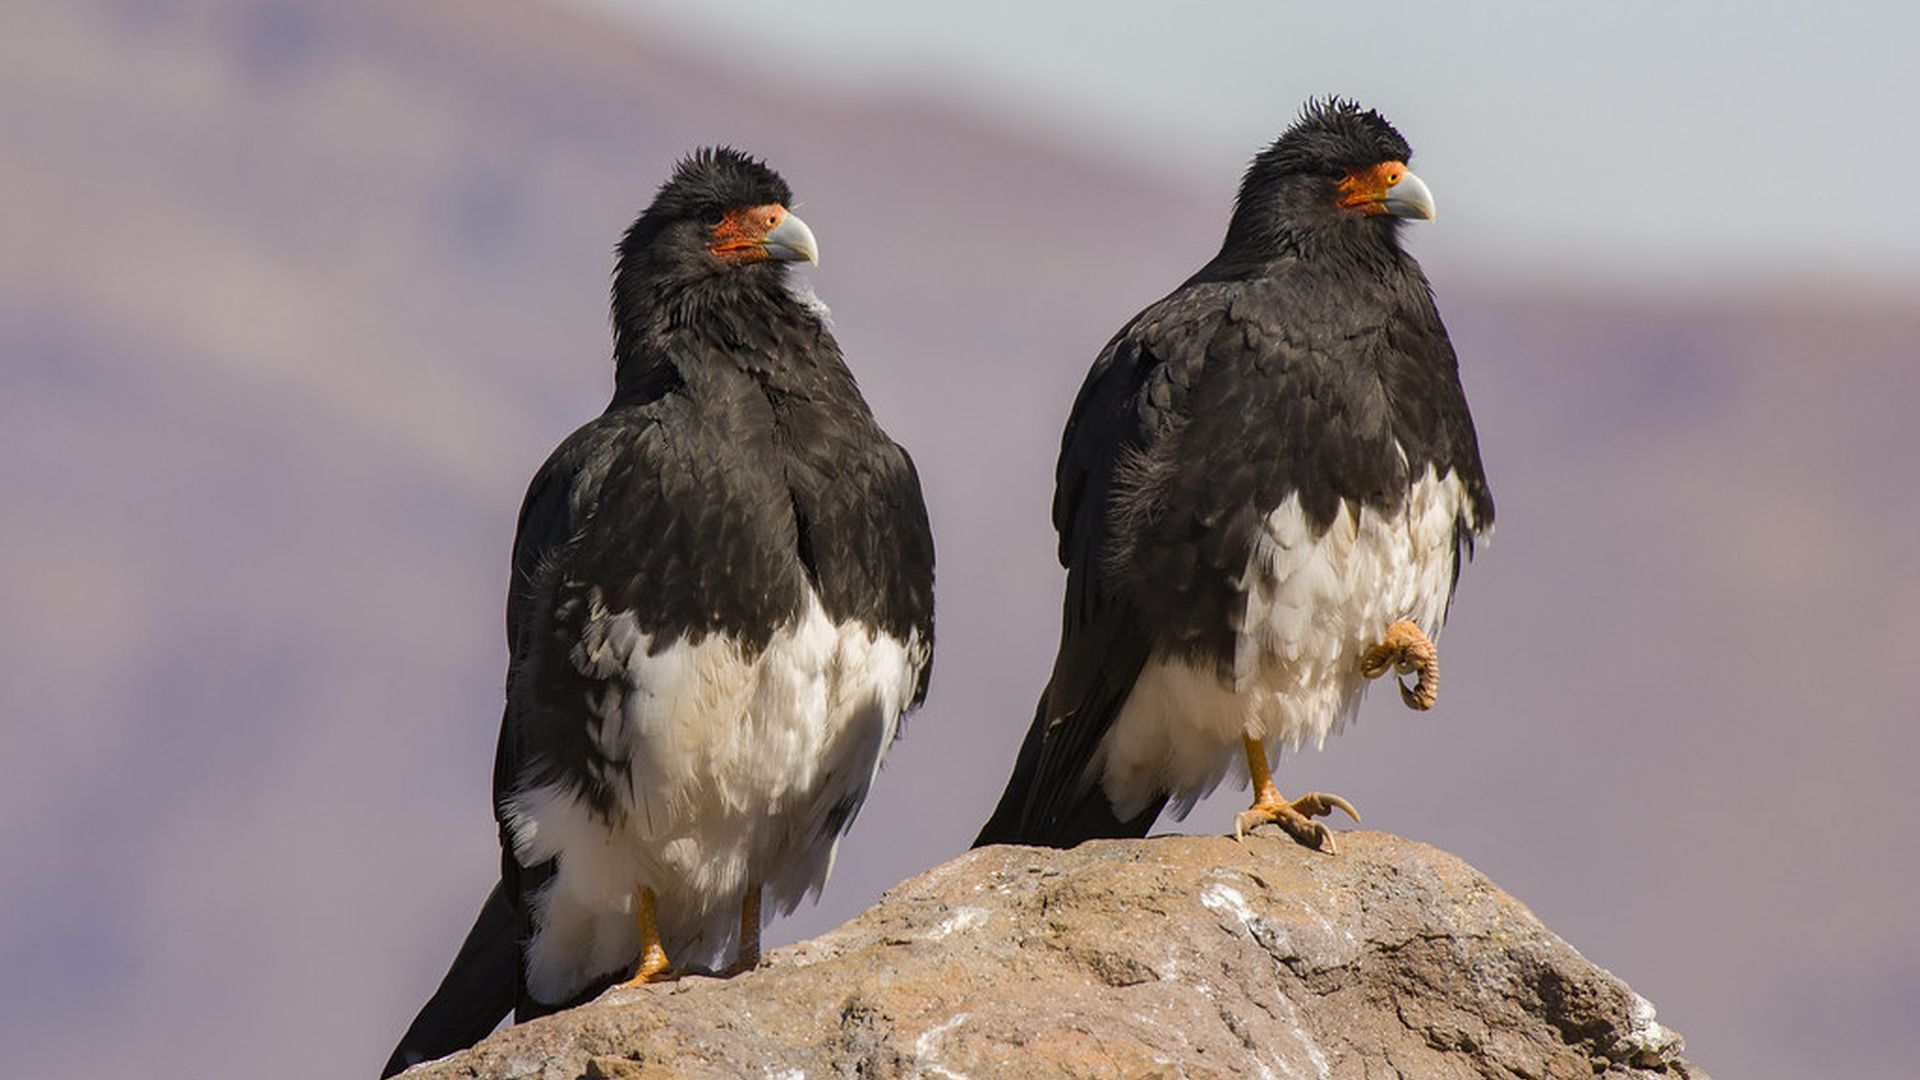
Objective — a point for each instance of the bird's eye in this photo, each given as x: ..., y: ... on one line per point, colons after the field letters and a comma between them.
x: 712, y: 215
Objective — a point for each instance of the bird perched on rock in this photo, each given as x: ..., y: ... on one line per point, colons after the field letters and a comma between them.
x: 1263, y: 496
x: 721, y: 604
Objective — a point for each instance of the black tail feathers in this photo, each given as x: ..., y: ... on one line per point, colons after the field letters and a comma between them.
x: 1089, y: 816
x: 475, y: 995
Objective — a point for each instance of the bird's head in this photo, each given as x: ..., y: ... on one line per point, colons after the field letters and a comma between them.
x: 1339, y: 168
x: 722, y: 212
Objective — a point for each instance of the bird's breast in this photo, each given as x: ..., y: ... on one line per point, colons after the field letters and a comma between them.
x: 1310, y: 602
x: 729, y: 765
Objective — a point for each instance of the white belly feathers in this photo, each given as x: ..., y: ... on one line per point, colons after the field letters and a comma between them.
x: 1314, y: 604
x: 743, y: 768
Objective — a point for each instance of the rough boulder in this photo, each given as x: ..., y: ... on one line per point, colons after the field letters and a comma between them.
x: 1170, y: 957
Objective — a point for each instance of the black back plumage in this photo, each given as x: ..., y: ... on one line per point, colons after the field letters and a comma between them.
x: 1293, y: 363
x: 736, y: 472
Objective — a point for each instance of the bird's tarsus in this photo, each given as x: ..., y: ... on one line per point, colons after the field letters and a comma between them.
x: 654, y: 966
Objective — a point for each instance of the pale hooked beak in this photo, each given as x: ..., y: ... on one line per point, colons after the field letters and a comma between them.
x: 1409, y: 198
x: 792, y: 241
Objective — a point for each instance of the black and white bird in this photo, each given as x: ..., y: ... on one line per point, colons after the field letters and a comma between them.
x: 1263, y: 497
x: 721, y: 605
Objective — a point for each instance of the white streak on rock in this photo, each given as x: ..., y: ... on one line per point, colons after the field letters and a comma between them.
x: 928, y: 1044
x: 967, y: 918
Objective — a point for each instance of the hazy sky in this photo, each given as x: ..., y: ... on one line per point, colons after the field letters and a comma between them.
x: 1671, y: 141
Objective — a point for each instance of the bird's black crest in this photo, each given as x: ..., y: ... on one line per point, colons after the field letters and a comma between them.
x: 722, y: 176
x: 1332, y: 137
x: 709, y: 181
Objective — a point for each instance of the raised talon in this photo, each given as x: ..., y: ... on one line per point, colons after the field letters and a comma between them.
x: 1406, y: 649
x: 1420, y: 696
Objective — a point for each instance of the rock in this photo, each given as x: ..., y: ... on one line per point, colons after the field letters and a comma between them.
x: 1170, y: 957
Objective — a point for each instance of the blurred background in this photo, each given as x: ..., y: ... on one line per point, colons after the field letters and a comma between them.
x: 294, y: 297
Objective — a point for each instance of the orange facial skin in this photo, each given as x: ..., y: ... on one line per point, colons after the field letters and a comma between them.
x: 740, y: 237
x: 1366, y: 190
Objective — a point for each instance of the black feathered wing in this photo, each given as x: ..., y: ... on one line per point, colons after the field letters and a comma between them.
x: 1052, y: 798
x: 545, y: 527
x: 485, y: 982
x: 897, y: 521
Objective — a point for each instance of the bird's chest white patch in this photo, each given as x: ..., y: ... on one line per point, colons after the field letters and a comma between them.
x: 739, y: 768
x: 1314, y: 602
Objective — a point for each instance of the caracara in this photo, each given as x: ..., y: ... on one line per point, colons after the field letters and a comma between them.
x: 721, y: 604
x: 1263, y: 497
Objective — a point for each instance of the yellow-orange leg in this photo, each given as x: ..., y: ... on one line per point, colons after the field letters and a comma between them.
x: 653, y: 955
x: 1407, y: 649
x: 749, y: 957
x: 1295, y: 817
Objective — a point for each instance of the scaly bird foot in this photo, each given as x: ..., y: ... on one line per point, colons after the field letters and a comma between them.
x: 654, y: 966
x: 749, y: 955
x: 1408, y: 650
x: 1295, y: 817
